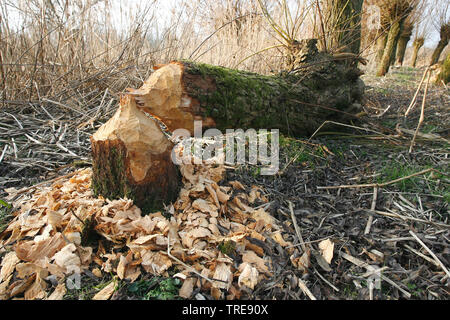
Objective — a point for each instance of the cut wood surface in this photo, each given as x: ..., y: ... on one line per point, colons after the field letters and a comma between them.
x: 131, y: 158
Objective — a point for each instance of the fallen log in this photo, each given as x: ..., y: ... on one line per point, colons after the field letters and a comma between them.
x: 323, y: 87
x: 131, y: 155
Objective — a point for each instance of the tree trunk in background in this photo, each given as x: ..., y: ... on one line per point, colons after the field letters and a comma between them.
x: 381, y: 44
x: 445, y: 35
x: 405, y: 36
x: 444, y: 74
x: 417, y: 44
x: 394, y: 51
x: 343, y: 23
x: 393, y: 33
x: 131, y: 158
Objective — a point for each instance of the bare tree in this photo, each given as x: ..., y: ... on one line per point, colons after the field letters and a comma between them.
x: 441, y: 22
x: 421, y: 32
x: 415, y: 18
x: 417, y: 44
x: 395, y: 12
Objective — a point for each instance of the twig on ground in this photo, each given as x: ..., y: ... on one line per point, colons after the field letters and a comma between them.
x: 365, y: 265
x: 305, y: 289
x: 325, y: 280
x: 372, y: 207
x: 371, y: 185
x: 422, y: 114
x: 422, y: 255
x: 413, y: 101
x: 430, y: 252
x: 398, y: 216
x: 191, y: 269
x: 297, y: 229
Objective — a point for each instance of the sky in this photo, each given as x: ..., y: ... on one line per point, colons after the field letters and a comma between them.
x: 164, y: 7
x: 163, y: 11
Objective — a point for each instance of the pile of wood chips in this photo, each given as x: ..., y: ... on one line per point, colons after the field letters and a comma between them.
x: 214, y: 237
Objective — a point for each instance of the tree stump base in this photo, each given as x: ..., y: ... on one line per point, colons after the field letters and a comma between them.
x: 132, y: 159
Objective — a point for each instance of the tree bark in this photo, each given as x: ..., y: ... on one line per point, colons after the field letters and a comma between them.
x: 343, y: 20
x: 444, y: 74
x: 417, y: 44
x: 384, y: 64
x: 445, y: 36
x: 381, y: 44
x: 405, y: 36
x: 131, y: 158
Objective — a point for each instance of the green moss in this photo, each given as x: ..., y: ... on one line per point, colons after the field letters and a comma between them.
x: 227, y: 247
x: 5, y: 214
x: 156, y: 288
x: 247, y: 100
x: 444, y: 75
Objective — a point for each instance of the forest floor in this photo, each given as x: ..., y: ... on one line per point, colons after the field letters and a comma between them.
x: 390, y: 226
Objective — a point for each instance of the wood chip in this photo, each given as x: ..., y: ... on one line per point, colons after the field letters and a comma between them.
x: 106, y: 292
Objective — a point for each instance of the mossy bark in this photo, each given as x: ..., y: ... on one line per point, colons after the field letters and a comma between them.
x: 391, y: 41
x: 445, y: 36
x: 388, y: 52
x: 444, y: 74
x: 245, y: 100
x: 417, y: 44
x: 405, y: 36
x: 438, y: 50
x: 323, y: 87
x: 381, y: 44
x: 343, y: 19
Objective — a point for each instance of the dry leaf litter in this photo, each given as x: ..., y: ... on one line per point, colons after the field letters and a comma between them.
x: 211, y: 237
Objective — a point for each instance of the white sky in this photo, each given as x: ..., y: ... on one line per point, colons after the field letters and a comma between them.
x: 164, y: 7
x: 163, y: 12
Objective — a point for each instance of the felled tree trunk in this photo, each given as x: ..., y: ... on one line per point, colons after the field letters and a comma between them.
x: 131, y: 158
x: 323, y: 87
x: 131, y: 155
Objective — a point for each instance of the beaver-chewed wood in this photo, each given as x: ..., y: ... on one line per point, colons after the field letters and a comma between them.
x: 132, y: 158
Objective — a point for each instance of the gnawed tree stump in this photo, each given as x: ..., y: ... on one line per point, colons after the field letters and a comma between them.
x: 132, y: 158
x: 131, y: 155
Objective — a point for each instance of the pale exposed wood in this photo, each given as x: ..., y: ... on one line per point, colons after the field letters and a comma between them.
x: 305, y: 289
x: 162, y: 96
x: 140, y: 134
x: 372, y: 207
